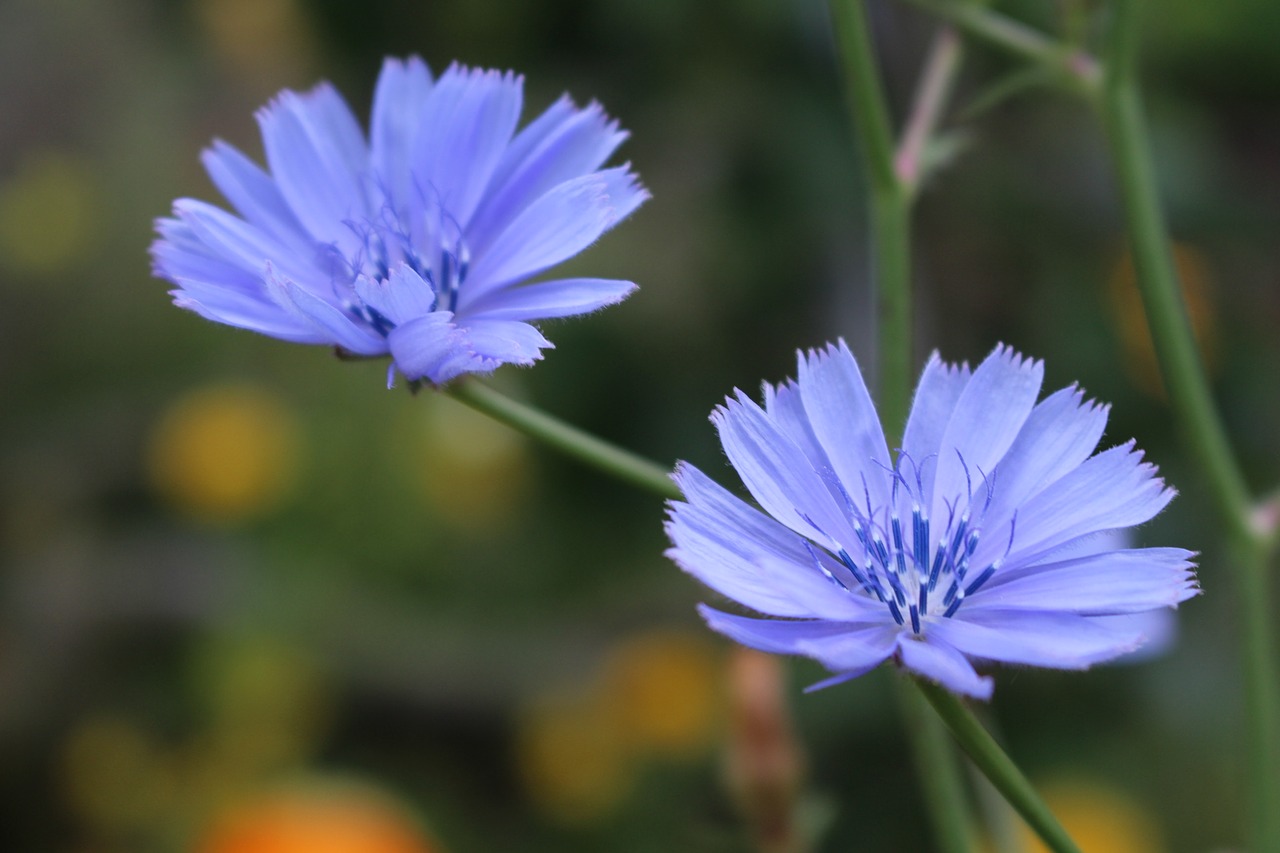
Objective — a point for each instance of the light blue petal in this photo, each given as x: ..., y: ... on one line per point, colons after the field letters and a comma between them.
x: 319, y: 160
x: 505, y: 341
x: 845, y: 421
x: 180, y: 254
x: 339, y: 328
x: 467, y: 124
x: 237, y: 242
x: 1102, y: 584
x: 1058, y: 640
x: 245, y: 311
x: 939, y: 662
x: 1057, y: 437
x: 778, y: 474
x: 557, y: 226
x: 562, y: 144
x: 254, y: 194
x: 1159, y: 629
x: 785, y: 407
x: 399, y: 101
x: 1112, y: 490
x: 747, y: 556
x: 935, y: 399
x: 431, y: 347
x: 560, y: 298
x: 986, y: 420
x: 400, y: 298
x: 838, y: 646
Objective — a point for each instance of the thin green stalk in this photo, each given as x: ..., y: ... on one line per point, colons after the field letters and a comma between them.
x: 890, y: 200
x: 890, y: 211
x: 1193, y: 406
x: 996, y: 766
x: 1158, y: 279
x: 568, y: 439
x: 938, y: 770
x: 1076, y: 68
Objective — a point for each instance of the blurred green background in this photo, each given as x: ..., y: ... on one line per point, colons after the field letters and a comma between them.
x: 252, y: 601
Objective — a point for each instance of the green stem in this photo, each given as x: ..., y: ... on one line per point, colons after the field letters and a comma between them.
x: 1194, y: 409
x: 568, y: 439
x: 890, y: 200
x: 938, y: 770
x: 890, y: 211
x: 1158, y: 279
x: 1074, y: 67
x: 996, y: 766
x: 1262, y: 706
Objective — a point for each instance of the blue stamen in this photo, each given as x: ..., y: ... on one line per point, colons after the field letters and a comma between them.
x: 857, y: 574
x: 899, y: 557
x: 893, y: 609
x: 980, y: 580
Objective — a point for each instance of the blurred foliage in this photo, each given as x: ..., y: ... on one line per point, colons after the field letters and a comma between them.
x: 229, y: 565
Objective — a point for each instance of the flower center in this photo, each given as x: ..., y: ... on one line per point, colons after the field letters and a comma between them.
x: 390, y: 241
x: 924, y: 573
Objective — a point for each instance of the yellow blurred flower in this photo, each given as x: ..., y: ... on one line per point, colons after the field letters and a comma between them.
x: 317, y: 817
x: 572, y: 757
x: 259, y: 40
x: 268, y: 708
x: 1131, y: 319
x: 49, y: 214
x: 470, y: 470
x: 656, y: 695
x: 225, y: 453
x: 115, y: 777
x: 666, y: 689
x: 1101, y: 819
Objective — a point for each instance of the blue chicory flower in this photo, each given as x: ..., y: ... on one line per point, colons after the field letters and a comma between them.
x: 417, y: 242
x: 979, y: 542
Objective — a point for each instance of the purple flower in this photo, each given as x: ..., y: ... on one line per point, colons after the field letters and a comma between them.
x: 978, y: 542
x: 416, y: 242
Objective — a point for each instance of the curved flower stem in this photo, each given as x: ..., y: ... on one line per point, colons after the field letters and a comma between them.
x: 996, y: 766
x: 1193, y: 406
x: 568, y: 439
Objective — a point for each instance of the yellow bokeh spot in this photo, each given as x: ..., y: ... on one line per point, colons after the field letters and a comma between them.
x: 115, y: 777
x: 1131, y: 319
x: 572, y: 757
x: 666, y: 689
x: 268, y: 706
x: 224, y: 453
x: 469, y: 469
x: 1100, y: 818
x: 317, y: 818
x: 49, y: 214
x: 266, y: 39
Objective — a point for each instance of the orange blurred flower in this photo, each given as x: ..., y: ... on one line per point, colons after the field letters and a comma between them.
x: 317, y: 818
x: 1131, y: 320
